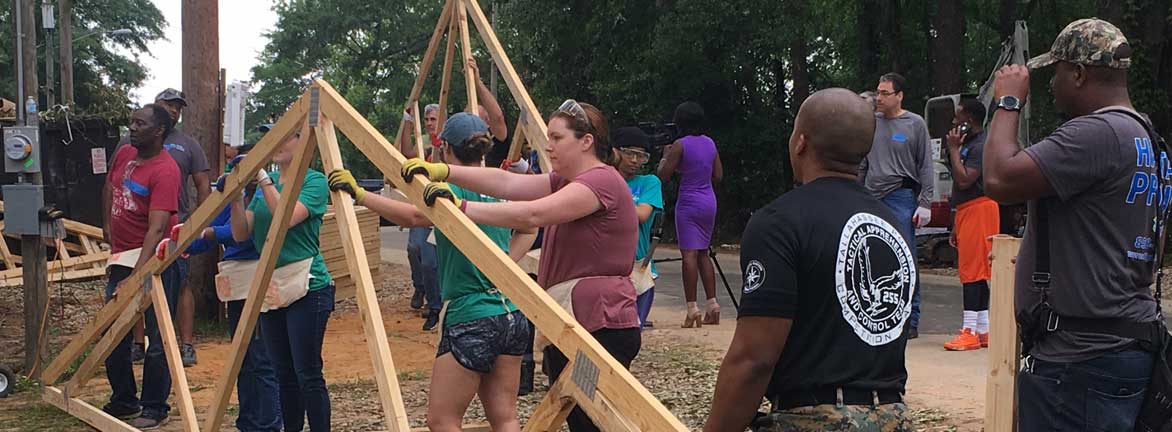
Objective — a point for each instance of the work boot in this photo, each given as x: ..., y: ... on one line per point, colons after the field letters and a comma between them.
x: 122, y: 413
x: 187, y: 354
x: 417, y: 299
x: 527, y: 369
x: 137, y: 353
x: 432, y: 320
x: 965, y: 341
x: 147, y: 423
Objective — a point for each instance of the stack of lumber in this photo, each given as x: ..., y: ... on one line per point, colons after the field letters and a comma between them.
x: 78, y: 255
x: 335, y: 256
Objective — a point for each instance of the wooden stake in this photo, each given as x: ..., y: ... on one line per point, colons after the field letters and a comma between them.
x: 446, y: 79
x: 470, y: 77
x: 425, y: 67
x: 612, y: 379
x: 174, y: 359
x: 1001, y: 384
x: 535, y: 126
x: 394, y: 411
x: 274, y: 239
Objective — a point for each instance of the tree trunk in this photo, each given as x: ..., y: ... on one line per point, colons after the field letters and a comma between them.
x: 1006, y: 16
x: 799, y: 70
x: 867, y: 38
x: 201, y: 120
x: 947, y: 47
x: 893, y: 36
x: 66, y: 41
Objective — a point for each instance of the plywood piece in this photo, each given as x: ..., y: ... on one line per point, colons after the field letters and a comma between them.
x: 174, y: 361
x: 274, y: 240
x: 1001, y: 383
x: 620, y: 387
x: 394, y: 411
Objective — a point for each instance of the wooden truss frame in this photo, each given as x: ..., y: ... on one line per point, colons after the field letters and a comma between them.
x: 453, y: 23
x: 593, y: 380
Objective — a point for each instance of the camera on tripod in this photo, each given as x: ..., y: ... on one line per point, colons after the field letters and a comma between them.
x: 660, y: 133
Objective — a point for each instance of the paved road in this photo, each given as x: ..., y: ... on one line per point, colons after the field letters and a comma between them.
x: 940, y: 311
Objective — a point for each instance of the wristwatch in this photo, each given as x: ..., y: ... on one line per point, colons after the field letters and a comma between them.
x: 1009, y: 103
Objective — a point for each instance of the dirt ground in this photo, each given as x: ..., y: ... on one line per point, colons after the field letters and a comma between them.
x: 679, y: 366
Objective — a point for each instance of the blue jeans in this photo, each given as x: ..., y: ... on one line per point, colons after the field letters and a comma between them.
x: 903, y: 203
x: 293, y: 336
x: 1101, y: 394
x: 643, y: 305
x: 156, y: 376
x: 256, y: 384
x: 424, y: 271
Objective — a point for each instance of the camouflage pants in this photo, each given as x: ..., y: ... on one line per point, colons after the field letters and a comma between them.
x: 854, y: 418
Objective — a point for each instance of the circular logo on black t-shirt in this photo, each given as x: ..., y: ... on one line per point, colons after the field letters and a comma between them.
x: 754, y: 276
x: 875, y: 275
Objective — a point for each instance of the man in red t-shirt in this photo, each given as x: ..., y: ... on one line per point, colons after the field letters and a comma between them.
x: 140, y: 199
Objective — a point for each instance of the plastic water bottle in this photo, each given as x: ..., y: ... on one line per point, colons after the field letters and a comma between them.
x: 30, y: 106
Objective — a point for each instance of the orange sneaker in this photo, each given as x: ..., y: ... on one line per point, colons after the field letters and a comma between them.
x: 965, y: 341
x: 984, y: 338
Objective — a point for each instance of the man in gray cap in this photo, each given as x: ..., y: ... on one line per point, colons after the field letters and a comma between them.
x: 193, y: 163
x: 1095, y: 189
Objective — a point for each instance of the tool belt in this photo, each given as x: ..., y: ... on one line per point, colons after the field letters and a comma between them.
x: 834, y: 396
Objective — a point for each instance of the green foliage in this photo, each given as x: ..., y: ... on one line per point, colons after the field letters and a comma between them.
x: 637, y: 60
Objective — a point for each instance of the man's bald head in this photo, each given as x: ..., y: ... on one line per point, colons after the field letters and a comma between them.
x: 838, y: 127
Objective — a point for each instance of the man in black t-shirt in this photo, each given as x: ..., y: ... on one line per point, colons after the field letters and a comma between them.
x: 828, y: 285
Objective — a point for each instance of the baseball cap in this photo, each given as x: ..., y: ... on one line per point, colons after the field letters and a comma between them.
x: 264, y: 127
x: 630, y: 136
x: 172, y: 95
x: 460, y: 127
x: 1090, y: 42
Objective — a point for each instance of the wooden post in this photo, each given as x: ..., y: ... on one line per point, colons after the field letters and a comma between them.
x: 446, y: 78
x: 470, y: 77
x: 65, y: 16
x: 394, y: 411
x: 1001, y: 384
x: 274, y: 239
x: 174, y: 360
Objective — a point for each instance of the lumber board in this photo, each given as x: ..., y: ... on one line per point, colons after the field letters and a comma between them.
x: 274, y: 240
x: 10, y: 260
x: 535, y: 125
x: 424, y: 68
x: 171, y: 350
x: 518, y: 139
x: 59, y: 276
x: 55, y: 266
x: 1001, y: 382
x: 551, y: 413
x: 199, y: 219
x: 394, y: 410
x: 621, y: 388
x: 418, y: 129
x: 89, y: 366
x: 470, y: 77
x: 446, y: 78
x: 84, y: 411
x: 75, y: 227
x: 61, y: 249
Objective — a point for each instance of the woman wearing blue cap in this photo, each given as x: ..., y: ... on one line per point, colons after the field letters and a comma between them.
x: 484, y: 335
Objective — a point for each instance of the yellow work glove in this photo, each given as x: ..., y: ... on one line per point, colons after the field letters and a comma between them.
x: 434, y: 191
x: 436, y: 172
x: 342, y: 180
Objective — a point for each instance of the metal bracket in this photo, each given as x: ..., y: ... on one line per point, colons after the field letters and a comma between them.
x: 314, y: 106
x: 585, y: 374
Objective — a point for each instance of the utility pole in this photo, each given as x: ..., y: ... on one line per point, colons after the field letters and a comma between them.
x: 202, y: 118
x: 49, y: 23
x: 33, y: 265
x: 65, y: 11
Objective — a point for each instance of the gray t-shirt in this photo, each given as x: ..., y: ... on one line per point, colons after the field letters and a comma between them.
x: 899, y: 153
x: 971, y: 155
x: 191, y: 159
x: 1103, y: 167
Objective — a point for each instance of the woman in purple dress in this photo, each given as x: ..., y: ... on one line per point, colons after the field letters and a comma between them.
x: 695, y: 158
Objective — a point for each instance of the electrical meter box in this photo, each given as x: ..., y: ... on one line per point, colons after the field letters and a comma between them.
x: 22, y: 149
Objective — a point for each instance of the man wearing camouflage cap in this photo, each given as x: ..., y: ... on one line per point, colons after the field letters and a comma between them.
x: 1093, y: 189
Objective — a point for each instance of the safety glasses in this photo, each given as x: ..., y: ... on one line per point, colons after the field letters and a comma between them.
x: 576, y: 111
x: 635, y: 154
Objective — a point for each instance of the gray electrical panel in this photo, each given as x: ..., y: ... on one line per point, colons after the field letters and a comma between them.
x: 22, y: 149
x: 22, y: 204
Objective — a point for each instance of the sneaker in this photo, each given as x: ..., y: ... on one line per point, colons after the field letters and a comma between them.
x: 417, y: 300
x: 137, y: 353
x: 121, y: 412
x: 147, y: 423
x: 187, y: 353
x: 432, y: 320
x: 984, y: 338
x: 965, y: 341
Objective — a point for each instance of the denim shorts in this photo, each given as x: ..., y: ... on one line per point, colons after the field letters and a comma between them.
x: 476, y: 344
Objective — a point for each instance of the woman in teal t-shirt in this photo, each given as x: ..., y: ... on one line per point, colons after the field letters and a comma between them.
x: 297, y: 311
x: 484, y: 335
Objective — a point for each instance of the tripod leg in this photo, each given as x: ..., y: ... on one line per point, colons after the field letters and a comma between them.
x: 716, y: 263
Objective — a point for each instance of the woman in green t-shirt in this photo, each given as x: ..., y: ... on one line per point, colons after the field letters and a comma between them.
x: 299, y: 300
x: 484, y: 335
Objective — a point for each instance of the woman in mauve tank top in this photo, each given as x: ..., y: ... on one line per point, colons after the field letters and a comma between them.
x: 696, y: 160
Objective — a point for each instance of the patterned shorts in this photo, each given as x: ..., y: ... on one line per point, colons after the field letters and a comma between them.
x: 476, y: 344
x: 830, y: 417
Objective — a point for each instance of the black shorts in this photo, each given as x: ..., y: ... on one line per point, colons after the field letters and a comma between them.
x: 476, y: 344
